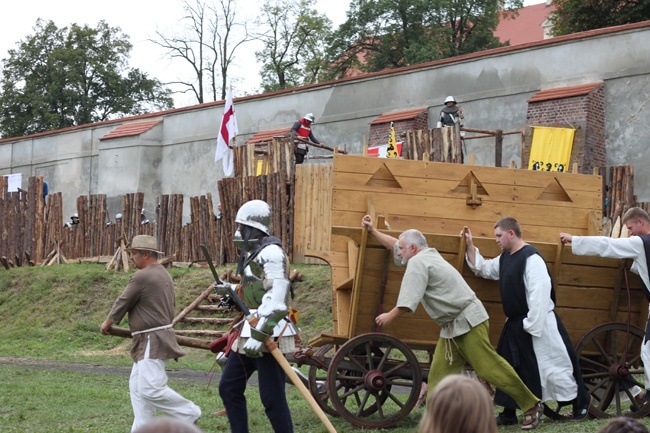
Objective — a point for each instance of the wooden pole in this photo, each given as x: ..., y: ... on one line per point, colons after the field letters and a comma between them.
x: 193, y: 305
x: 183, y: 341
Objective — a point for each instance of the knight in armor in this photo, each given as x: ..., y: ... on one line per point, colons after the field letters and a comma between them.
x: 451, y: 114
x: 264, y: 268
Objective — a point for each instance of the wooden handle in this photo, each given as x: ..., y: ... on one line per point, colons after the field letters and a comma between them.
x: 279, y: 357
x: 196, y: 343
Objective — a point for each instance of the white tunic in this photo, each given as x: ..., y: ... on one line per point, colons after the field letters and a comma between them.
x: 623, y: 248
x: 555, y: 368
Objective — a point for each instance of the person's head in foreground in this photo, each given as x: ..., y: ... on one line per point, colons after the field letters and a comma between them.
x: 623, y: 424
x: 459, y: 404
x: 167, y: 425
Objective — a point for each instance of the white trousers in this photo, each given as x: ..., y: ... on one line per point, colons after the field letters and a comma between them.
x: 150, y: 393
x: 645, y: 357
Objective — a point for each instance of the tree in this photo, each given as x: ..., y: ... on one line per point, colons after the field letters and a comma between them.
x: 65, y: 77
x: 293, y: 52
x: 571, y: 16
x: 384, y: 34
x: 206, y: 46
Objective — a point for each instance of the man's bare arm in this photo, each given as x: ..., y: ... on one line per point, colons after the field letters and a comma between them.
x: 386, y: 240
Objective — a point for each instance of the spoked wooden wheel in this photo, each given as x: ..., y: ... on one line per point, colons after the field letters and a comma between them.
x: 610, y: 361
x: 318, y: 381
x: 374, y: 380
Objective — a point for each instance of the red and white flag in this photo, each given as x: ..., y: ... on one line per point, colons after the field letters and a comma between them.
x: 227, y: 131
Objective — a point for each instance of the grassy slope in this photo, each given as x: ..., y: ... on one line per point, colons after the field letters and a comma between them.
x: 53, y: 313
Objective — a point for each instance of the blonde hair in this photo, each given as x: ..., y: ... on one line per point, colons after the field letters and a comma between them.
x: 635, y: 213
x: 459, y: 404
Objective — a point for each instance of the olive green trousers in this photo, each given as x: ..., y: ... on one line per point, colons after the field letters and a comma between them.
x: 475, y: 349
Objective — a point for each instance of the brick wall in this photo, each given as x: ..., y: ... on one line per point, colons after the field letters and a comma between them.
x: 584, y: 113
x: 380, y: 132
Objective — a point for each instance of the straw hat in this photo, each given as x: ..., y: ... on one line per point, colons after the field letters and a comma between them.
x: 145, y: 243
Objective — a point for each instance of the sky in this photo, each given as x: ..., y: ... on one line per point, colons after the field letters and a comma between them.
x: 140, y: 20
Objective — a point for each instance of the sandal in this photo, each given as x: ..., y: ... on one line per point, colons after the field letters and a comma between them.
x: 533, y: 417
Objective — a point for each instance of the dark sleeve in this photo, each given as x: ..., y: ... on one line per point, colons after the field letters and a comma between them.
x: 312, y: 138
x: 295, y: 126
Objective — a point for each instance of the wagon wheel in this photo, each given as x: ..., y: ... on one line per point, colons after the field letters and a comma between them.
x: 318, y: 382
x: 374, y: 380
x: 611, y: 366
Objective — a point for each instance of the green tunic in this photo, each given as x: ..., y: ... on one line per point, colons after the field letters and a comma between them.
x: 444, y: 294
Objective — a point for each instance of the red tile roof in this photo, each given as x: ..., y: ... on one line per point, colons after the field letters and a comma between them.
x: 563, y: 92
x: 398, y: 115
x: 130, y: 129
x: 264, y: 136
x: 525, y: 27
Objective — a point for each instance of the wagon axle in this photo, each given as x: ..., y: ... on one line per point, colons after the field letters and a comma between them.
x: 618, y: 371
x: 375, y: 380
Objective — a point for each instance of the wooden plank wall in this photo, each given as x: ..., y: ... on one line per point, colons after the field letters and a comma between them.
x: 433, y: 196
x: 271, y: 188
x: 439, y: 199
x: 437, y: 144
x: 21, y: 223
x: 312, y: 211
x: 31, y: 231
x: 585, y: 290
x: 274, y: 156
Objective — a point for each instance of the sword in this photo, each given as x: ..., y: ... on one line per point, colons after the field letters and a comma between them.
x: 272, y: 347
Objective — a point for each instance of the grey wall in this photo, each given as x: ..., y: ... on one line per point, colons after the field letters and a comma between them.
x: 176, y: 156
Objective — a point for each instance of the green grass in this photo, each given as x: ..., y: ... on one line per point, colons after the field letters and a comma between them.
x: 52, y: 315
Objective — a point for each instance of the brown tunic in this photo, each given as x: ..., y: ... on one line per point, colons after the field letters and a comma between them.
x: 149, y: 299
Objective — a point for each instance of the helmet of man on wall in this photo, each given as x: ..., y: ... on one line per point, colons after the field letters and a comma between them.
x: 310, y: 117
x: 450, y: 99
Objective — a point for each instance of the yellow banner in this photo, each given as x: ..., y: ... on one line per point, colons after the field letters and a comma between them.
x: 391, y: 150
x: 551, y: 149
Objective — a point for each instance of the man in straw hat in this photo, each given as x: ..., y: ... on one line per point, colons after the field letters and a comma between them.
x: 149, y: 301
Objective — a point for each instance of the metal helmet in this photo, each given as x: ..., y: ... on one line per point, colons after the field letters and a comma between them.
x: 450, y: 99
x: 310, y: 117
x: 118, y: 216
x: 255, y: 214
x: 75, y: 215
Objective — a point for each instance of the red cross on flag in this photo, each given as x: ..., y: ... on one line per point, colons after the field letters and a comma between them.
x: 227, y: 131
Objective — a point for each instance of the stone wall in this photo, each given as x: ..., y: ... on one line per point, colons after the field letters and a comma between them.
x: 176, y: 156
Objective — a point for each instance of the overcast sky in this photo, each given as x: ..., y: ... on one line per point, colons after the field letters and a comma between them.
x: 140, y: 19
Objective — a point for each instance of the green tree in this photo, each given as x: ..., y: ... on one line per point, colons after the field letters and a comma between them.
x: 63, y: 77
x: 385, y: 34
x: 293, y: 52
x: 571, y: 16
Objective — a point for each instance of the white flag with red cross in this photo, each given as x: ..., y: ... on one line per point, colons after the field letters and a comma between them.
x: 227, y: 131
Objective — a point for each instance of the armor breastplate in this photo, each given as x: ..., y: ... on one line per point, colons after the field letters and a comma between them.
x: 255, y: 283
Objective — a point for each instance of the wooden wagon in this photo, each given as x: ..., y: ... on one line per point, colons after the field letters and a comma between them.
x: 373, y: 379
